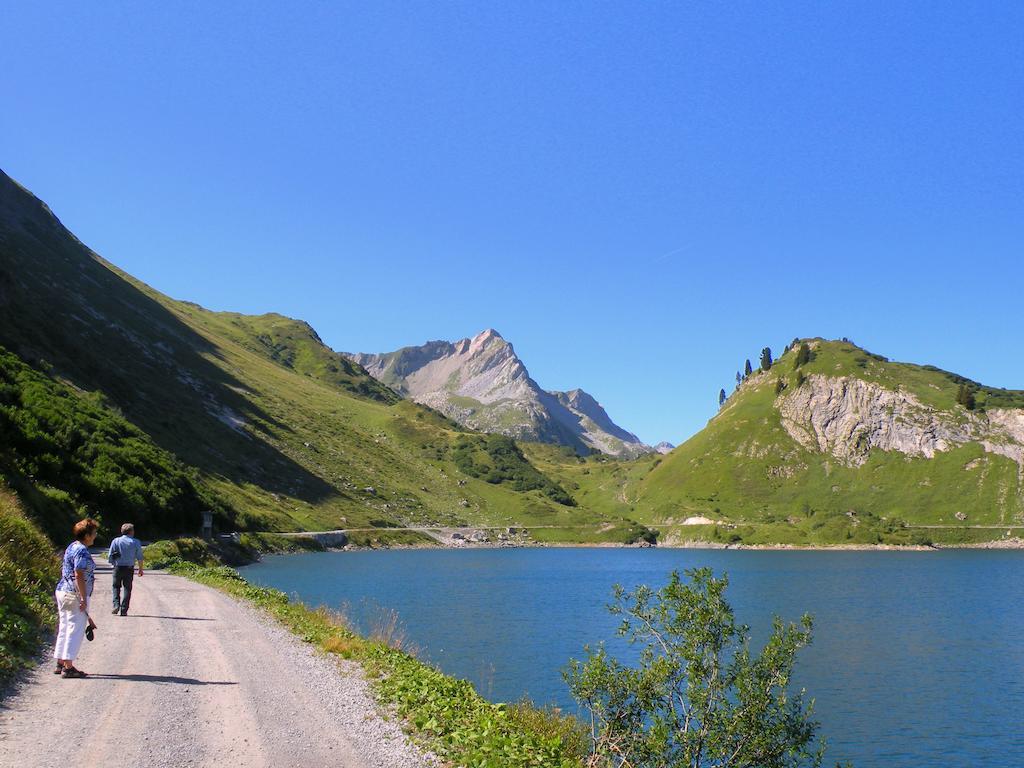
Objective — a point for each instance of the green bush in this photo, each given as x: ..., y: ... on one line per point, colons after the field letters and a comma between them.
x: 164, y: 554
x: 70, y: 454
x: 698, y: 695
x: 29, y: 570
x: 498, y: 460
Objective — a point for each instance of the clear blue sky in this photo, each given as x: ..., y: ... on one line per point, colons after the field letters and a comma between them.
x: 637, y: 195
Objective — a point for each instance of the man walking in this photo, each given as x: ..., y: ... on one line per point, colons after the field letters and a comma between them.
x: 124, y: 552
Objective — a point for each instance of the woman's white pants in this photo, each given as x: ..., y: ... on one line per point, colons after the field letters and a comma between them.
x: 73, y: 622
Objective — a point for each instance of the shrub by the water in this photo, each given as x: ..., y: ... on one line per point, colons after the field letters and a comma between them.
x: 697, y: 697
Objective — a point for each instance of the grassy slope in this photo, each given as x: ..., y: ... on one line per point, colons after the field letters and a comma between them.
x: 284, y: 433
x: 28, y: 573
x: 726, y: 471
x: 730, y: 471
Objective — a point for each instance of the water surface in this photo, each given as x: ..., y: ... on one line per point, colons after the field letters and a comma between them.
x: 917, y: 660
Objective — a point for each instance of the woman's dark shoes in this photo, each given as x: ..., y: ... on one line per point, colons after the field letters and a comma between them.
x: 90, y: 633
x: 59, y: 669
x: 115, y: 610
x: 72, y: 672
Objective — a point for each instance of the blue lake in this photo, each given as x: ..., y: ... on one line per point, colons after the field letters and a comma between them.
x: 917, y: 659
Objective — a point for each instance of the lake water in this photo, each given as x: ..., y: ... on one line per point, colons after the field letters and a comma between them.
x: 917, y: 659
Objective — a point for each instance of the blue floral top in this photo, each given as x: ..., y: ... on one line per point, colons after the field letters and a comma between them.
x: 76, y: 558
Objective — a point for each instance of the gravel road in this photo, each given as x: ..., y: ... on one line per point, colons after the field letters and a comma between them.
x: 193, y: 678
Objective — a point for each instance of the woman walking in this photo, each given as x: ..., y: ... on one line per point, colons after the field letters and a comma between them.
x: 73, y: 592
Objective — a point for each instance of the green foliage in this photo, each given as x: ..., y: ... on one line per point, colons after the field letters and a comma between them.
x: 272, y: 543
x: 803, y: 355
x: 965, y: 396
x: 81, y: 458
x: 721, y: 398
x: 460, y: 725
x: 800, y: 379
x: 498, y: 460
x: 28, y: 572
x: 698, y: 697
x: 170, y: 552
x: 747, y: 369
x: 766, y: 359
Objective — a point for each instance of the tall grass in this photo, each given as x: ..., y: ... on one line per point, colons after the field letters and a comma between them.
x: 28, y: 573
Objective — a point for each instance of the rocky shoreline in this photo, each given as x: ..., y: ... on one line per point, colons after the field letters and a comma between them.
x: 1004, y: 544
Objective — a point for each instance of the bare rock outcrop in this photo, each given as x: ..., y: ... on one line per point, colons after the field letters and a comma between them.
x: 846, y: 417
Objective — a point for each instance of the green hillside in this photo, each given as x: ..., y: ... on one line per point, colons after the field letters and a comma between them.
x: 252, y: 417
x: 758, y: 484
x: 118, y: 401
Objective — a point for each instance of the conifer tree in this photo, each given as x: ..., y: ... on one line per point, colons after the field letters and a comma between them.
x: 721, y: 397
x: 747, y: 369
x: 803, y: 355
x: 766, y: 359
x: 965, y: 397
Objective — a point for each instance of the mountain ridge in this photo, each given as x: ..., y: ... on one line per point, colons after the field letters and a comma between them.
x: 255, y: 418
x: 479, y: 381
x: 275, y: 431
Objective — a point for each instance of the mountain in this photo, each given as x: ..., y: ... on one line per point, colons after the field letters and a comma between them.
x: 664, y: 447
x: 482, y: 383
x: 122, y: 402
x: 847, y: 446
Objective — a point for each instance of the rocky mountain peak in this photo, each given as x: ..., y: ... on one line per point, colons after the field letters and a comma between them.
x: 480, y: 381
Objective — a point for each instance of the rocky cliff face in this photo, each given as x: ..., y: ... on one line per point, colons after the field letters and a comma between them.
x: 847, y: 417
x: 482, y: 383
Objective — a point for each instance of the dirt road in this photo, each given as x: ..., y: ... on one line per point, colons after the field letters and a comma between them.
x: 193, y: 678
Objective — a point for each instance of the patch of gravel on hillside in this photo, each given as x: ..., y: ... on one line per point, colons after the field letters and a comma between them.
x: 348, y: 703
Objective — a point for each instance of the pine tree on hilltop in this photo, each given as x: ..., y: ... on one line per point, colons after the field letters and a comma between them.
x: 803, y: 355
x: 747, y: 369
x: 739, y: 378
x: 721, y: 397
x: 965, y: 397
x: 766, y: 359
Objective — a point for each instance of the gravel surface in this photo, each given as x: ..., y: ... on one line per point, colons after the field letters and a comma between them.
x: 194, y: 678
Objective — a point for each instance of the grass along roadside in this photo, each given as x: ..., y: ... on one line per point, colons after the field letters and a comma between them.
x: 28, y: 571
x: 445, y: 715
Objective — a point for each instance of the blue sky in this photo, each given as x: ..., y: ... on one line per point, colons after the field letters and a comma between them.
x: 638, y: 196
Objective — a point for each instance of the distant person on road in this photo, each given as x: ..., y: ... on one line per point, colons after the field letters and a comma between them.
x: 73, y: 592
x: 125, y: 551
